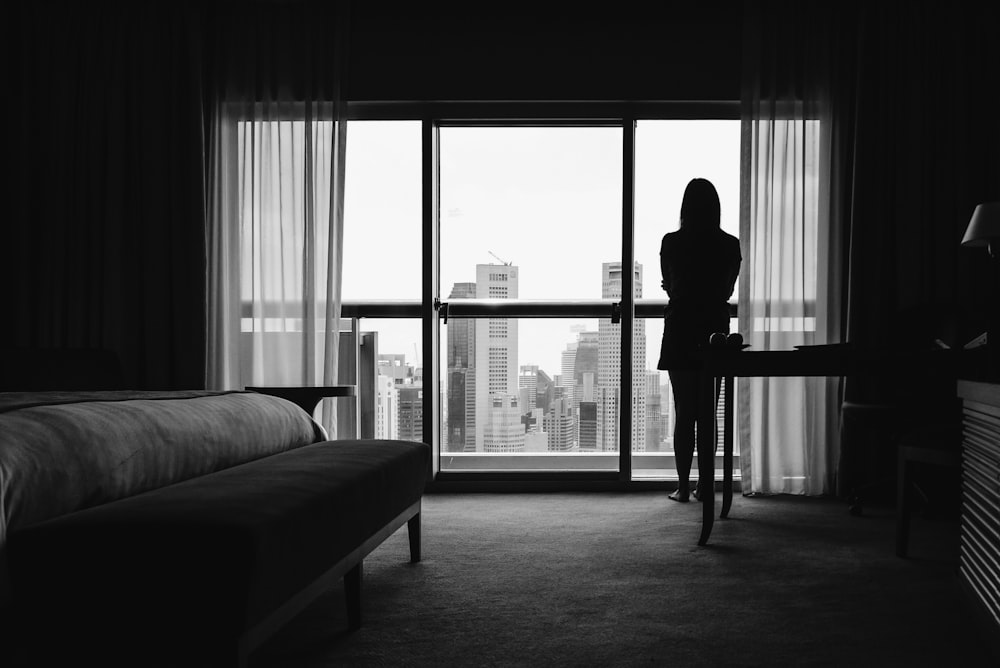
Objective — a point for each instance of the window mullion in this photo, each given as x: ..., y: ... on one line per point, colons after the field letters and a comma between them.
x: 430, y: 290
x: 626, y: 398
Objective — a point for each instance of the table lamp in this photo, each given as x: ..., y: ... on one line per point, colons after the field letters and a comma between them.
x: 984, y: 230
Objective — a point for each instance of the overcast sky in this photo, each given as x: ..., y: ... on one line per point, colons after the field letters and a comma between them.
x: 547, y: 200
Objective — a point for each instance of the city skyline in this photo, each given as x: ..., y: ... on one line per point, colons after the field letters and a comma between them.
x: 492, y: 403
x: 545, y: 199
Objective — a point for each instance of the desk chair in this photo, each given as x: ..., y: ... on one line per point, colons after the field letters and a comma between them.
x: 894, y: 447
x: 910, y: 456
x: 870, y: 433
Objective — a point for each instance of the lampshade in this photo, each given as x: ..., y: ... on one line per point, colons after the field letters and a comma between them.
x: 984, y: 228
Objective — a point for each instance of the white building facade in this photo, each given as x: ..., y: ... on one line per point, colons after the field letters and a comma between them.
x: 609, y: 397
x: 496, y: 370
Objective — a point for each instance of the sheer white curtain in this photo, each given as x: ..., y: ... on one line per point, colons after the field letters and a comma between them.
x: 789, y: 287
x: 276, y: 202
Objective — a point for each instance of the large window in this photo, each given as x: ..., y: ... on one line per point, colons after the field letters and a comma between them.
x: 530, y: 214
x: 530, y: 227
x: 382, y: 257
x: 544, y: 201
x: 668, y: 154
x: 382, y: 276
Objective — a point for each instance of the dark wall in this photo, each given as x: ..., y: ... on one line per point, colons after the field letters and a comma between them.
x: 545, y: 51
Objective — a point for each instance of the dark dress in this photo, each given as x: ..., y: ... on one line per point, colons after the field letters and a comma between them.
x: 699, y: 269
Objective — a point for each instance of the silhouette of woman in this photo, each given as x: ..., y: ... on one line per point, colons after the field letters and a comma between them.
x: 699, y: 264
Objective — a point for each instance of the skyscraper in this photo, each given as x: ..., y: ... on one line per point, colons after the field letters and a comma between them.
x: 584, y: 388
x: 460, y: 434
x: 588, y: 426
x: 585, y: 371
x: 559, y: 426
x: 394, y: 366
x: 544, y: 391
x: 656, y: 413
x: 495, y: 348
x: 667, y: 410
x: 609, y: 397
x: 503, y: 430
x: 411, y: 412
x: 386, y: 408
x: 527, y: 384
x: 566, y: 377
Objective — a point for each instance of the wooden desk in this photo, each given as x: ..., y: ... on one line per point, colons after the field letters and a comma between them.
x: 722, y: 365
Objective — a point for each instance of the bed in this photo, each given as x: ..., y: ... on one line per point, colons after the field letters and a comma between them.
x: 189, y: 467
x: 62, y: 451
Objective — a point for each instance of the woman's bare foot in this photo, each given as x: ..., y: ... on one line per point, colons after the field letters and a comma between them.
x: 678, y: 495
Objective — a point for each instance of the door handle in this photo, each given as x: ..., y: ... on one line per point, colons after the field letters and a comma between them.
x: 442, y: 309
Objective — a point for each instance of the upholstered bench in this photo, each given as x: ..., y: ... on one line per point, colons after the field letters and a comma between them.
x: 203, y: 571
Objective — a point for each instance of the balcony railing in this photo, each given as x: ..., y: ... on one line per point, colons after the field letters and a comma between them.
x: 644, y: 464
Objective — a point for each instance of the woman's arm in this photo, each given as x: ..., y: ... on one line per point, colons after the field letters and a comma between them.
x: 733, y: 267
x: 665, y: 273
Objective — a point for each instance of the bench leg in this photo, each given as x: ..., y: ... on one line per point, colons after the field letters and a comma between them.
x: 413, y: 529
x: 352, y: 593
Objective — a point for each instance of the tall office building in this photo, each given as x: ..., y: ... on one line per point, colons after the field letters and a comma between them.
x: 559, y: 426
x: 527, y: 385
x: 656, y: 415
x: 585, y: 367
x: 667, y: 411
x: 386, y: 408
x: 587, y: 420
x: 411, y: 412
x: 495, y: 348
x: 579, y: 374
x: 568, y: 360
x: 545, y: 389
x: 503, y: 430
x: 609, y: 397
x: 460, y: 434
x: 535, y: 438
x: 394, y: 366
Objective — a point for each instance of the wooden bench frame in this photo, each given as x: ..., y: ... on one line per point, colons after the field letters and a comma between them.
x: 350, y: 568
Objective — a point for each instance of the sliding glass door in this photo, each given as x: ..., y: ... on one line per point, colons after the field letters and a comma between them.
x: 483, y: 270
x: 530, y: 226
x: 668, y: 154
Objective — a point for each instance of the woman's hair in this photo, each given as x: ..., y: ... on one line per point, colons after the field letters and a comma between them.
x: 700, y: 206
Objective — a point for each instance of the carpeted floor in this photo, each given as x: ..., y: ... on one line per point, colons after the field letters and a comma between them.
x: 614, y: 579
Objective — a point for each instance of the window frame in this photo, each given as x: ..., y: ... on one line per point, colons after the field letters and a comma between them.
x: 432, y: 309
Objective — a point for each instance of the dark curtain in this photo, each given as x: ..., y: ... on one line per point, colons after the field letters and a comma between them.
x: 910, y: 100
x: 112, y: 117
x: 914, y: 100
x: 104, y: 244
x: 927, y: 151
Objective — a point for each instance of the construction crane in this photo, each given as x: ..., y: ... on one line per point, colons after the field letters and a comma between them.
x: 506, y: 264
